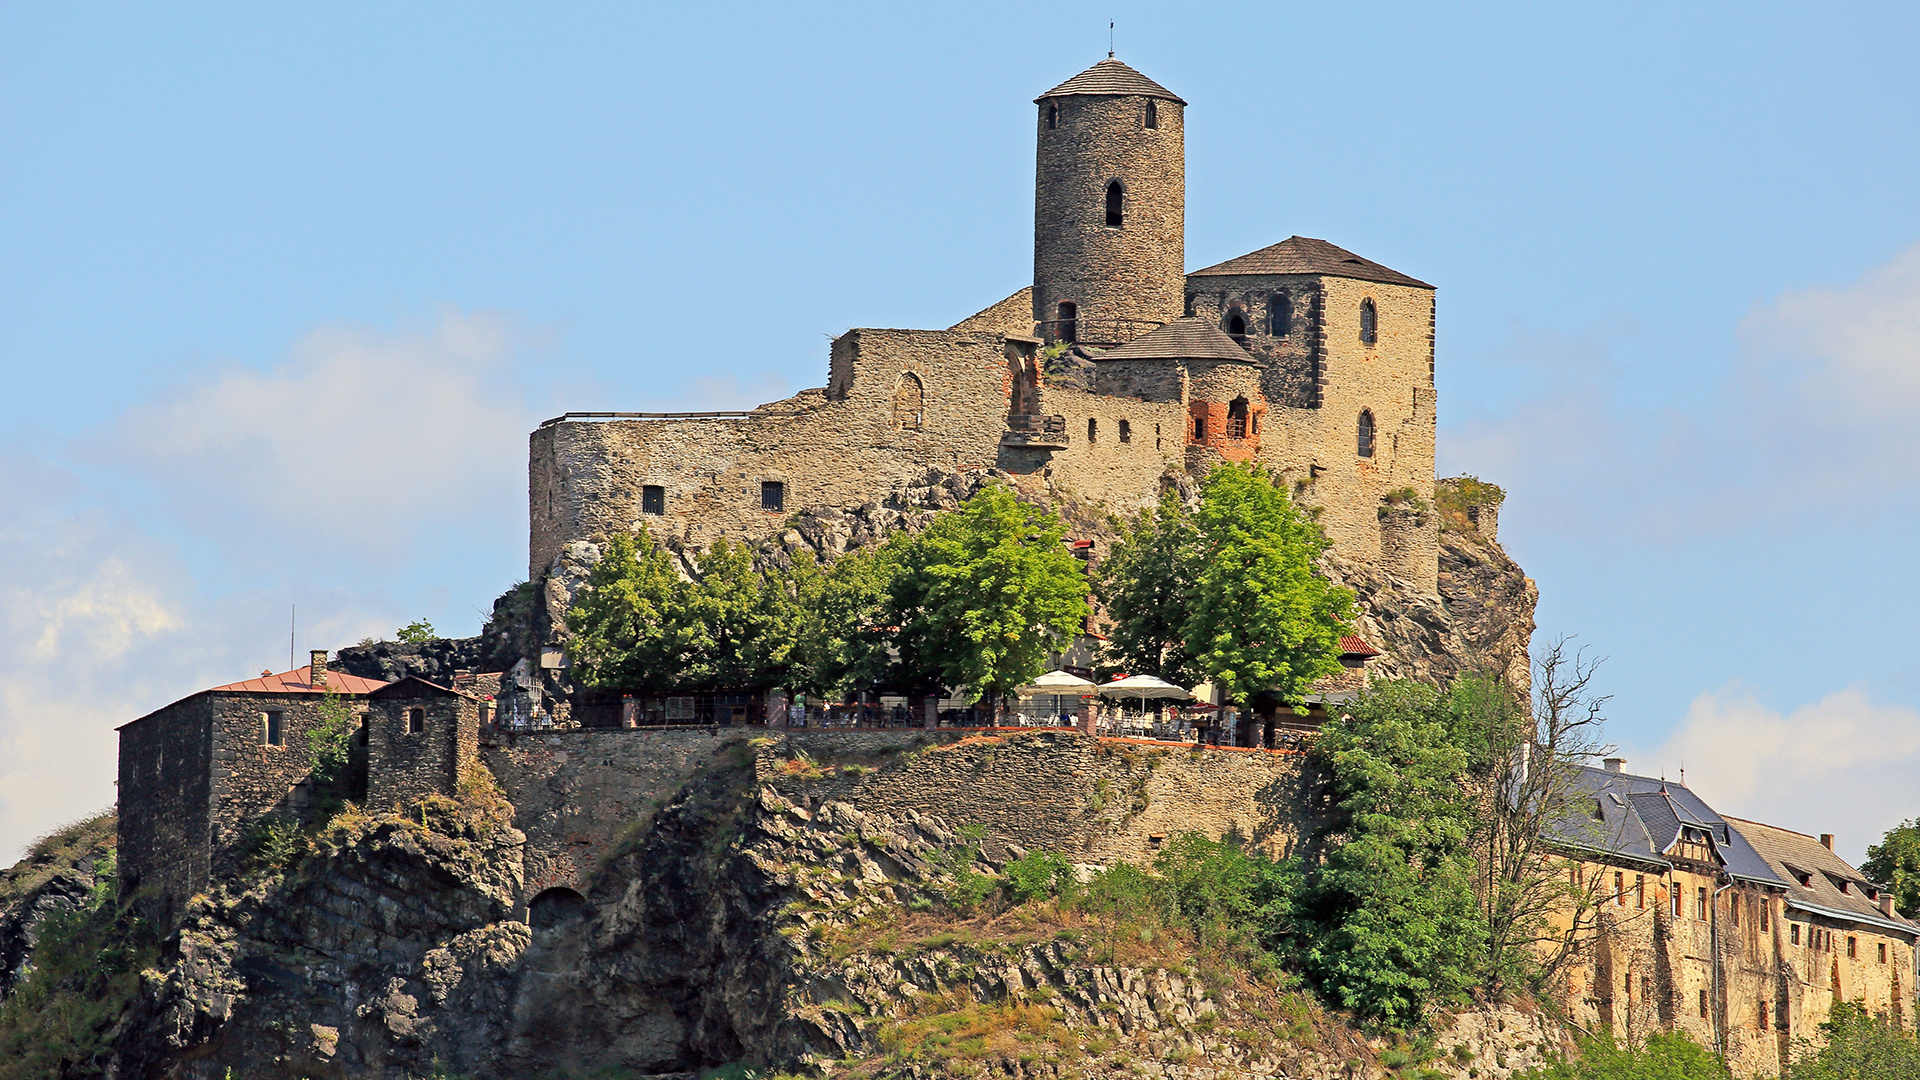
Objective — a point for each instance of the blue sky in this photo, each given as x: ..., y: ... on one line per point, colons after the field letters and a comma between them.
x: 282, y: 291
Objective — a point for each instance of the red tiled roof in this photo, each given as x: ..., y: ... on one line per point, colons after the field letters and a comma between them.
x: 298, y: 681
x: 1353, y: 646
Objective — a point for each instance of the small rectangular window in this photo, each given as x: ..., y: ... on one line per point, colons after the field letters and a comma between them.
x: 653, y: 499
x: 1793, y: 933
x: 1701, y: 893
x: 1199, y: 429
x: 1853, y: 947
x: 1766, y: 913
x: 1126, y: 431
x: 773, y: 495
x: 1703, y: 1004
x: 1763, y: 1016
x: 1883, y: 952
x: 1640, y: 890
x: 1675, y: 897
x: 273, y: 728
x: 1153, y: 114
x: 1620, y: 888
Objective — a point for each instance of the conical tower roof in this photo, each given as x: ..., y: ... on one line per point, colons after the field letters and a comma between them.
x: 1111, y: 77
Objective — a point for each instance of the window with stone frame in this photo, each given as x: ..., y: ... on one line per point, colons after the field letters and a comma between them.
x: 1279, y: 314
x: 1364, y: 433
x: 1153, y: 113
x: 1369, y: 322
x: 416, y: 720
x: 1237, y: 418
x: 273, y: 728
x: 1200, y: 429
x: 773, y: 495
x: 653, y: 499
x: 1237, y: 326
x: 1116, y: 204
x: 909, y: 402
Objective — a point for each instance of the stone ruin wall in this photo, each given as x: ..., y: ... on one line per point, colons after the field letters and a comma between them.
x: 579, y: 794
x: 837, y: 448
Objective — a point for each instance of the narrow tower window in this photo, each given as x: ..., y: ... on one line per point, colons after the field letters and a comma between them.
x: 1116, y: 199
x: 1126, y: 435
x: 1053, y: 116
x: 1279, y: 315
x: 1153, y: 114
x: 1067, y: 326
x: 1369, y: 323
x: 1366, y: 432
x: 1093, y: 429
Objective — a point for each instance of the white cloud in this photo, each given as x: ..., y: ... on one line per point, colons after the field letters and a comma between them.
x: 1843, y: 764
x: 353, y: 450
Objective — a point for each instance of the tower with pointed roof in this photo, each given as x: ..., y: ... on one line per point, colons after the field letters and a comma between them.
x: 1109, y: 206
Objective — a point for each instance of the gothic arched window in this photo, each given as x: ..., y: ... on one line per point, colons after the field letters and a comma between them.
x: 1366, y: 433
x: 909, y: 402
x: 1279, y: 314
x: 1116, y: 203
x: 1369, y: 322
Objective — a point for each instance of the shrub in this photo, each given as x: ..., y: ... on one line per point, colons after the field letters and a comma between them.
x: 1670, y: 1056
x: 1040, y: 875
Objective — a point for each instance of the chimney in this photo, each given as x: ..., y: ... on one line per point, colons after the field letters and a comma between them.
x: 1615, y: 764
x: 317, y: 667
x: 1826, y: 840
x: 1886, y: 901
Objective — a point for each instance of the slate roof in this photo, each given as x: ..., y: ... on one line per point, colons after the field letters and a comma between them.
x: 1110, y: 76
x: 300, y: 681
x: 1639, y: 817
x: 1305, y: 255
x: 1191, y: 338
x: 1790, y: 854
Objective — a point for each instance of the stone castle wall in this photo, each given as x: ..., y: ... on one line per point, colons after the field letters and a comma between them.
x: 844, y: 446
x: 164, y: 799
x: 578, y: 794
x: 1135, y: 271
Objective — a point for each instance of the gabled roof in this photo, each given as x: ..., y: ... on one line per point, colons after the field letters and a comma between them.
x: 1110, y: 76
x: 1191, y: 338
x: 1790, y: 853
x: 414, y: 683
x: 300, y: 681
x: 1354, y: 646
x: 1305, y: 255
x: 1637, y: 818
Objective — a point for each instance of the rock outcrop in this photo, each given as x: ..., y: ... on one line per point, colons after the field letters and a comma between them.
x: 57, y: 875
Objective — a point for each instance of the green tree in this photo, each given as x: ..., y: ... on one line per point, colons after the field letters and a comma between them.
x: 328, y: 747
x: 1395, y: 924
x: 1895, y: 861
x: 626, y: 620
x: 731, y: 625
x: 1143, y: 585
x: 1259, y: 617
x: 416, y: 632
x: 984, y: 594
x: 1856, y: 1045
x: 842, y: 624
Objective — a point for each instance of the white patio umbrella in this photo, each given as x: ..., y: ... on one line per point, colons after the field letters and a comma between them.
x: 1057, y: 683
x: 1143, y: 687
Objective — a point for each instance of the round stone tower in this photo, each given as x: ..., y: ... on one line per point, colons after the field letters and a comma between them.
x: 1109, y: 207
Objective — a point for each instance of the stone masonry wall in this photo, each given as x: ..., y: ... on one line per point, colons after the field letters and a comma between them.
x: 1012, y: 317
x: 166, y: 762
x: 405, y: 766
x: 1136, y: 271
x: 250, y: 777
x: 577, y: 794
x: 1123, y: 474
x: 838, y: 447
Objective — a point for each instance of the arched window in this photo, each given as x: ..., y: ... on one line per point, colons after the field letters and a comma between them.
x: 1116, y: 204
x: 1053, y: 115
x: 1279, y: 314
x: 1369, y: 323
x: 1237, y: 326
x: 1153, y: 114
x: 909, y: 403
x: 1067, y: 327
x: 1237, y: 418
x: 1366, y: 433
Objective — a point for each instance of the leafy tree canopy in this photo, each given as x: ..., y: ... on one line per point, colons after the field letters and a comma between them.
x: 1895, y: 861
x: 1144, y: 583
x: 417, y: 631
x: 1664, y: 1056
x: 626, y: 620
x: 1856, y: 1045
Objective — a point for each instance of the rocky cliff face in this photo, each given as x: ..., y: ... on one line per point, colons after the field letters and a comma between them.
x: 58, y: 875
x: 757, y: 916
